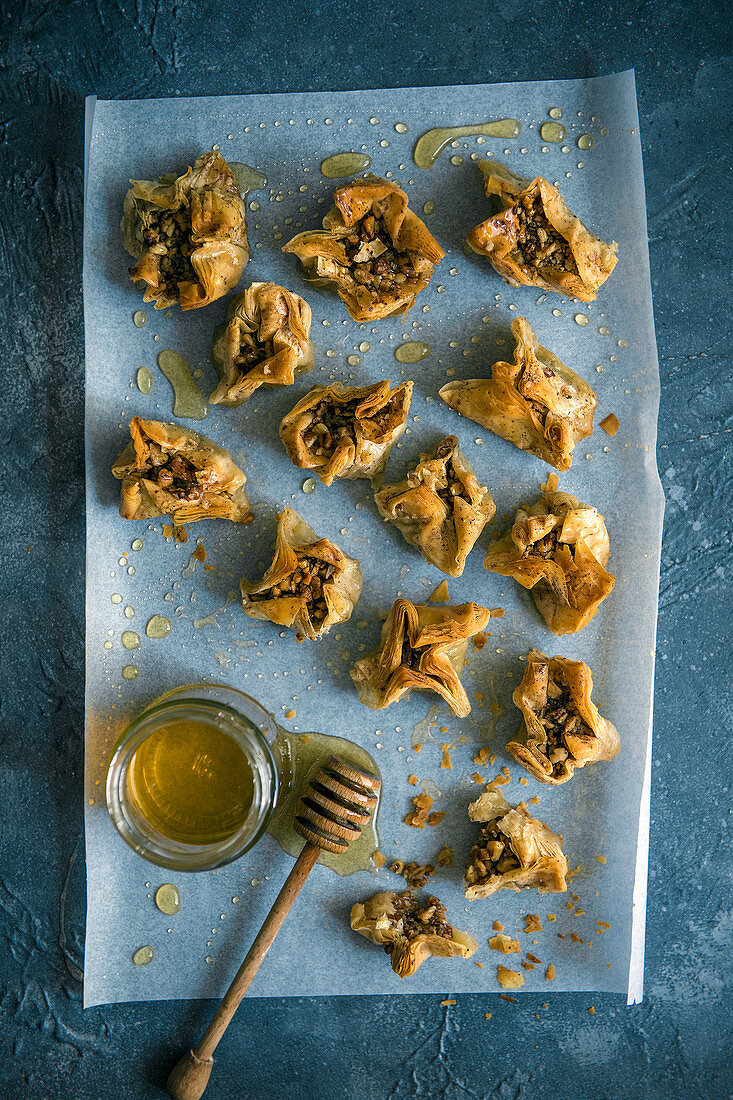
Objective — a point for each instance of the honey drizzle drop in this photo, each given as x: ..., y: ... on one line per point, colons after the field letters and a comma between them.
x: 431, y: 144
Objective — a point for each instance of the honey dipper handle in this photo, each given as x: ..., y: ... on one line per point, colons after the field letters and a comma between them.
x: 189, y: 1078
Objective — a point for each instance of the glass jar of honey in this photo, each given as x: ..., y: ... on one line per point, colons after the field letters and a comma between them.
x: 193, y: 781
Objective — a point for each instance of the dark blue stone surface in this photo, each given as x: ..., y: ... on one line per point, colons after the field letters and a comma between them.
x: 675, y: 1044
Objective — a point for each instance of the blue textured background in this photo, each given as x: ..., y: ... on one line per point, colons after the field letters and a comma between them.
x: 52, y: 55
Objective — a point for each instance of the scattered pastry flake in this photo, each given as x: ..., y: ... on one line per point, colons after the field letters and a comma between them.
x: 477, y: 778
x: 378, y: 859
x: 600, y: 859
x: 552, y: 917
x: 550, y: 973
x: 552, y: 483
x: 509, y: 979
x: 209, y: 568
x: 532, y: 923
x: 413, y: 780
x: 535, y: 801
x: 304, y: 738
x: 602, y: 924
x: 487, y: 1015
x: 200, y: 552
x: 504, y: 997
x: 527, y: 965
x: 414, y: 874
x: 445, y: 856
x: 497, y: 612
x: 533, y: 958
x: 418, y: 817
x: 446, y: 761
x: 449, y: 1001
x: 592, y: 1009
x: 523, y: 781
x: 290, y: 713
x: 505, y: 944
x: 492, y: 759
x: 571, y: 873
x: 436, y: 817
x: 482, y: 756
x: 575, y: 937
x: 440, y: 595
x: 498, y: 781
x: 167, y: 530
x: 498, y: 926
x: 610, y: 424
x: 479, y: 640
x: 579, y: 913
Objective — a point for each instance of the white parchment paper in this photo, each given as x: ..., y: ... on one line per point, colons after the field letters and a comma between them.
x: 596, y: 940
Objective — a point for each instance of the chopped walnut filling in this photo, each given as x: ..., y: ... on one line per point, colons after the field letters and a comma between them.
x: 375, y: 262
x: 306, y: 582
x: 172, y: 229
x: 453, y: 487
x: 333, y: 421
x: 172, y: 472
x: 413, y: 919
x: 540, y: 245
x: 252, y: 352
x: 560, y: 717
x: 545, y: 547
x: 414, y: 874
x: 491, y: 855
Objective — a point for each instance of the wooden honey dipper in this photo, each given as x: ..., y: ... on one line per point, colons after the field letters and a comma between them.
x: 338, y: 800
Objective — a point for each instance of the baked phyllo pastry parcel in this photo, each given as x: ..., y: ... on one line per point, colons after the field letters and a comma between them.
x: 562, y: 729
x: 512, y: 851
x: 310, y: 586
x: 376, y: 252
x: 188, y: 235
x: 410, y: 930
x: 265, y: 342
x: 346, y: 431
x: 440, y: 507
x: 172, y: 471
x: 558, y: 549
x: 535, y: 402
x: 422, y: 648
x: 534, y: 240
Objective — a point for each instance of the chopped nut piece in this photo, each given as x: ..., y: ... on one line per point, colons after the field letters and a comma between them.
x: 373, y: 249
x: 445, y: 856
x: 418, y: 817
x: 550, y: 973
x: 310, y: 586
x: 422, y: 648
x: 535, y: 240
x: 410, y: 930
x: 440, y: 594
x: 611, y: 424
x: 505, y: 944
x: 436, y: 817
x: 509, y: 979
x: 414, y: 874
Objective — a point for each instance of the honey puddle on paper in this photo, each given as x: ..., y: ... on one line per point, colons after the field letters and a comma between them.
x: 431, y: 144
x: 345, y: 164
x: 188, y: 401
x: 248, y: 179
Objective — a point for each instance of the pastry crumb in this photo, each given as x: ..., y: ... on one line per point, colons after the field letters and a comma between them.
x: 477, y: 777
x: 487, y: 1015
x: 535, y: 801
x: 532, y: 923
x: 550, y: 973
x: 414, y: 874
x: 413, y: 780
x: 445, y: 856
x: 446, y: 761
x: 418, y: 817
x: 479, y: 640
x: 482, y: 756
x: 592, y: 1010
x: 478, y: 964
x: 552, y: 917
x: 523, y: 781
x: 290, y: 713
x: 436, y: 817
x: 304, y: 738
x: 528, y: 965
x: 378, y: 859
x: 533, y: 958
x: 167, y: 530
x: 552, y: 483
x: 492, y: 759
x: 497, y: 612
x: 600, y: 859
x: 504, y: 944
x: 498, y: 926
x: 449, y: 1001
x: 440, y: 594
x: 506, y: 997
x: 200, y: 552
x: 610, y: 424
x: 509, y: 979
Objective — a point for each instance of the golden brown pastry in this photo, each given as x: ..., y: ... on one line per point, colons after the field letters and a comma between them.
x: 264, y: 342
x: 346, y: 431
x: 410, y: 931
x: 188, y: 235
x: 534, y: 240
x: 375, y: 251
x: 512, y: 851
x: 562, y: 729
x: 310, y: 586
x: 172, y: 471
x: 422, y: 648
x: 440, y: 507
x: 536, y: 402
x: 558, y: 548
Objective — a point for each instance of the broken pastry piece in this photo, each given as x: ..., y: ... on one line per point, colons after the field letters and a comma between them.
x: 534, y: 240
x: 422, y: 648
x: 410, y: 931
x: 512, y: 851
x: 188, y: 235
x: 563, y: 730
x: 311, y: 584
x: 558, y: 548
x: 536, y: 402
x: 346, y: 431
x: 440, y: 507
x: 375, y: 251
x: 265, y: 342
x: 172, y: 471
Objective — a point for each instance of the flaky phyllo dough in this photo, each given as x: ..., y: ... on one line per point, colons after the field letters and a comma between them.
x: 264, y: 342
x: 536, y: 402
x: 422, y: 648
x: 346, y: 431
x: 171, y: 471
x: 311, y: 584
x: 188, y: 235
x: 375, y: 251
x: 410, y: 931
x: 534, y: 240
x: 440, y: 507
x: 512, y: 851
x: 562, y: 729
x: 558, y: 548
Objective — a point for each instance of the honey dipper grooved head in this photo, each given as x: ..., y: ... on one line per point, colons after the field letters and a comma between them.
x: 338, y: 801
